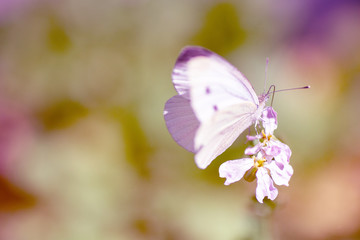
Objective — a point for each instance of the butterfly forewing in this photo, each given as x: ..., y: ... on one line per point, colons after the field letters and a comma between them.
x: 197, y: 61
x: 213, y: 86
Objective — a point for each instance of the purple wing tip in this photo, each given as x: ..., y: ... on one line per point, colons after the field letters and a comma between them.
x: 192, y: 51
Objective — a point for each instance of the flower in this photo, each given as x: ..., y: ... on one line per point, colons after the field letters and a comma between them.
x: 268, y: 143
x: 262, y: 168
x: 269, y: 164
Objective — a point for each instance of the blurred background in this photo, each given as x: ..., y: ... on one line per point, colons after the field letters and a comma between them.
x: 84, y: 150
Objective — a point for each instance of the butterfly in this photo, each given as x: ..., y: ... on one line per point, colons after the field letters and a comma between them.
x: 214, y: 105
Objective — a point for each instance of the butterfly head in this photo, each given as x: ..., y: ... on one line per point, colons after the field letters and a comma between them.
x: 264, y: 97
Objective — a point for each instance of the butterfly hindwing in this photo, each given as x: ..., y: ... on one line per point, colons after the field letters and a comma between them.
x: 181, y: 121
x: 214, y: 136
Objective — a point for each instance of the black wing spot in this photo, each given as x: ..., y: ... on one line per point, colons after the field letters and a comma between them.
x: 207, y: 90
x: 215, y: 107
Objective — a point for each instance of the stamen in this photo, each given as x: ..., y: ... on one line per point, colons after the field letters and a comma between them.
x: 260, y: 162
x: 263, y: 133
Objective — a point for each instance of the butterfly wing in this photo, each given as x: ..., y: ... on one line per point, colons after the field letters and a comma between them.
x: 181, y: 121
x: 210, y: 82
x: 214, y: 136
x: 222, y: 101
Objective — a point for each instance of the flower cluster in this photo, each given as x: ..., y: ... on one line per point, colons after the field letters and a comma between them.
x: 268, y: 161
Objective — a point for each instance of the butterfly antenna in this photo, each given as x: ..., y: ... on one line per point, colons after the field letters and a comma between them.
x: 273, y: 93
x: 266, y: 69
x: 288, y: 89
x: 272, y: 87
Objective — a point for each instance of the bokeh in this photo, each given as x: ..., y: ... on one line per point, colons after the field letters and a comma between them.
x: 84, y: 149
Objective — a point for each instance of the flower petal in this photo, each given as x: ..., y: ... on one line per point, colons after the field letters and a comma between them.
x: 280, y: 174
x: 272, y: 150
x: 285, y: 152
x: 234, y: 170
x: 278, y: 150
x: 252, y: 138
x: 269, y: 120
x: 265, y: 186
x: 253, y: 150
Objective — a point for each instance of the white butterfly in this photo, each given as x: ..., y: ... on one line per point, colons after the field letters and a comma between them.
x: 214, y: 105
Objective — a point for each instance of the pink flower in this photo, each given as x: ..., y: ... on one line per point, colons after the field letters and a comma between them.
x: 268, y: 144
x: 269, y: 122
x: 269, y: 163
x: 262, y: 168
